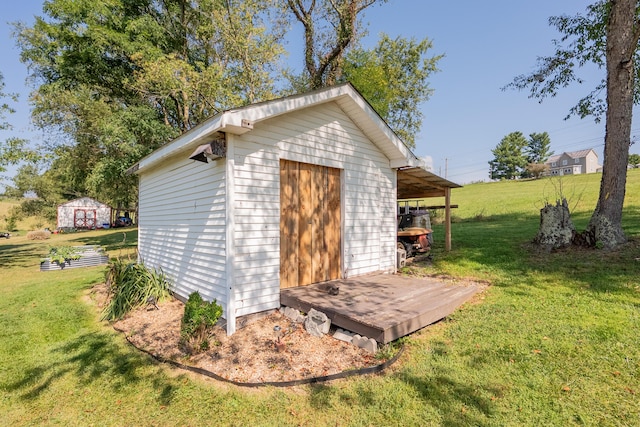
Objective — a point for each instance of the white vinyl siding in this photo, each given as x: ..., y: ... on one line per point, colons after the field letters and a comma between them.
x: 321, y: 135
x: 182, y: 225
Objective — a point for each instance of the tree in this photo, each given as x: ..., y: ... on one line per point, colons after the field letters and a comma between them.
x: 536, y: 170
x: 393, y: 77
x: 330, y: 27
x: 13, y: 149
x: 538, y: 148
x: 634, y: 160
x: 509, y: 161
x: 607, y: 36
x: 118, y: 78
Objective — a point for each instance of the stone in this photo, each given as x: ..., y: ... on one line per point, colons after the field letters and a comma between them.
x: 293, y: 314
x: 342, y: 335
x: 317, y: 323
x: 401, y: 257
x: 369, y: 344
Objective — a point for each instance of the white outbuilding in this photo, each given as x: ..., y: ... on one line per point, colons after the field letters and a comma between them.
x: 289, y: 192
x: 85, y: 213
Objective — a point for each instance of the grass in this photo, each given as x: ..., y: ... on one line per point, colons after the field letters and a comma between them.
x: 554, y: 340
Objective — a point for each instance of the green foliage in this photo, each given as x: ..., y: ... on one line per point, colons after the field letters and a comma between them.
x: 199, y: 316
x: 12, y: 222
x: 12, y: 150
x: 62, y: 254
x: 634, y: 160
x: 393, y: 77
x: 130, y: 286
x: 583, y: 43
x: 117, y: 80
x: 509, y: 161
x: 538, y: 148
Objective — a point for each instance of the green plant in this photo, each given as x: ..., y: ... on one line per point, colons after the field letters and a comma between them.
x: 61, y: 254
x: 12, y: 223
x: 130, y: 286
x: 199, y: 316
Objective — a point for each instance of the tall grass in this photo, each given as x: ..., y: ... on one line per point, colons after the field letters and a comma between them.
x: 553, y: 341
x: 132, y: 285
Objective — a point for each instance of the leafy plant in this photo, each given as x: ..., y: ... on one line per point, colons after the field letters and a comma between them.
x: 199, y: 316
x: 131, y: 285
x: 61, y: 254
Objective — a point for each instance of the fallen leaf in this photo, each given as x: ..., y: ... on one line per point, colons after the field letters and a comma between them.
x: 566, y: 388
x: 630, y: 390
x: 616, y: 373
x: 537, y: 351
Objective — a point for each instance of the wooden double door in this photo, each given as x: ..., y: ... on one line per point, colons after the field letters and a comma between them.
x: 310, y: 238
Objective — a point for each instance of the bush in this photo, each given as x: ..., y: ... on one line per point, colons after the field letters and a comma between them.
x: 132, y: 285
x: 199, y: 317
x: 12, y: 223
x: 38, y: 235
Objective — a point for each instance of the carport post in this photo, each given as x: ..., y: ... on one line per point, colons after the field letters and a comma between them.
x: 447, y: 219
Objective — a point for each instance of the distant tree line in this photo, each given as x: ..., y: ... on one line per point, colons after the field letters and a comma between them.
x: 518, y: 157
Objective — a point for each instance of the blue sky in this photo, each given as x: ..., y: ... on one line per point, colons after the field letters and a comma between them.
x: 485, y: 45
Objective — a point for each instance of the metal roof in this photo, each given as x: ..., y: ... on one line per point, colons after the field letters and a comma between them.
x: 418, y: 183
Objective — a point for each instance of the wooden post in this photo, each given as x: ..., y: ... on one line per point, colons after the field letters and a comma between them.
x: 447, y: 219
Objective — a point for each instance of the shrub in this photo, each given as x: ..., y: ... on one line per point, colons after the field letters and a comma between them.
x: 12, y: 223
x: 38, y: 235
x: 199, y: 317
x: 132, y: 285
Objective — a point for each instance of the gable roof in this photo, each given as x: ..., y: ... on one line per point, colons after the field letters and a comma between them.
x: 572, y: 154
x: 241, y: 120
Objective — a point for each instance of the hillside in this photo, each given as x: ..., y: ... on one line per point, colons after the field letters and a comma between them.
x: 527, y: 197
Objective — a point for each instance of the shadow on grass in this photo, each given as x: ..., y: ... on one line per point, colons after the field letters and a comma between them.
x: 501, y: 246
x: 93, y: 359
x: 111, y: 240
x: 20, y: 255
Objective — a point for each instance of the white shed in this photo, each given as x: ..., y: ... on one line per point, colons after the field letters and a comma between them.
x: 84, y: 212
x: 288, y: 192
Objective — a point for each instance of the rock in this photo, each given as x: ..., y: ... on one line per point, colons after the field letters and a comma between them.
x: 293, y: 314
x: 317, y: 323
x: 368, y: 344
x: 343, y: 335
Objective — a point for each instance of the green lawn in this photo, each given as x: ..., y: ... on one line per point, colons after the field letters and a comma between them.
x: 554, y: 341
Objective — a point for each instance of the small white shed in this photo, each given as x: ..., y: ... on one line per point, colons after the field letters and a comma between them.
x: 283, y: 193
x: 84, y: 212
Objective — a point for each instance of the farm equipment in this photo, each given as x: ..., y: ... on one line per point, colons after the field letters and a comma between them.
x: 414, y: 240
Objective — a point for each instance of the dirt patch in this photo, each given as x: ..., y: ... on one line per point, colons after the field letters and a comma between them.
x: 250, y: 355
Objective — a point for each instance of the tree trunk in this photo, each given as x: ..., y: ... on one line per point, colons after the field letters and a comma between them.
x: 605, y: 226
x: 556, y: 228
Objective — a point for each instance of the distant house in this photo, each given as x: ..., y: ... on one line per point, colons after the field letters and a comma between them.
x: 574, y: 163
x: 84, y: 212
